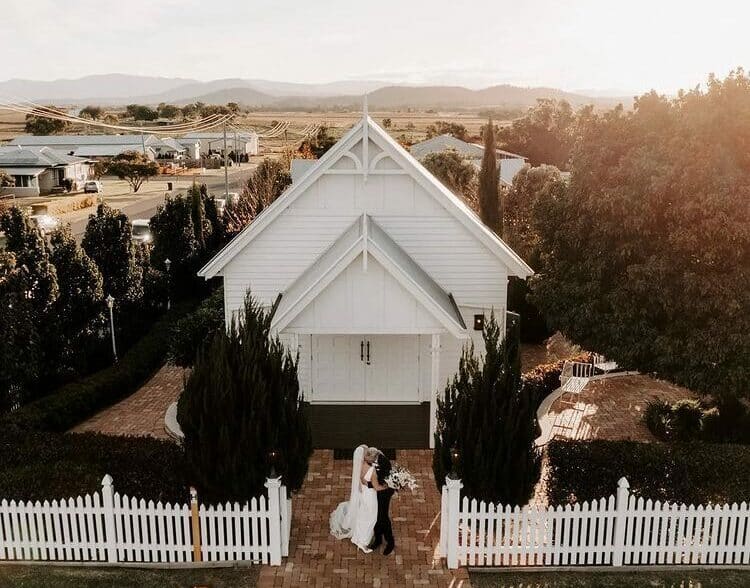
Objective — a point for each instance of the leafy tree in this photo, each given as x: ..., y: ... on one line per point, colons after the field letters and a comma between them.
x: 168, y: 110
x: 99, y: 168
x: 141, y: 112
x: 175, y: 236
x: 488, y: 418
x: 242, y: 400
x: 489, y: 193
x: 20, y: 356
x: 78, y: 307
x: 443, y: 127
x: 646, y: 255
x: 134, y: 167
x: 217, y: 234
x: 266, y: 184
x: 108, y: 241
x: 92, y: 112
x: 41, y: 125
x: 458, y: 175
x: 191, y: 332
x: 6, y: 181
x: 189, y: 111
x: 320, y: 143
x: 387, y: 123
x: 545, y: 134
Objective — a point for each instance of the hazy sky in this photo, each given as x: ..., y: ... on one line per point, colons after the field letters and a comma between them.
x: 588, y: 44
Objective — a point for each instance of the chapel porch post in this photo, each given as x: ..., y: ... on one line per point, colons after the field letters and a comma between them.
x: 434, y: 385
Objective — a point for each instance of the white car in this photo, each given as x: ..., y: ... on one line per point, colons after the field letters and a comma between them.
x: 45, y: 222
x: 221, y: 204
x: 93, y: 187
x: 141, y: 230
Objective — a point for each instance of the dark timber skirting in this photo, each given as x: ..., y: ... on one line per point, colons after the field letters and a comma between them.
x: 344, y: 426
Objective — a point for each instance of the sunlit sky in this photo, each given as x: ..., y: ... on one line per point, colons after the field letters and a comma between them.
x: 595, y: 45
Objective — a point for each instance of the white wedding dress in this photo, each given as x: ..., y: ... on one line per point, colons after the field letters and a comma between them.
x: 355, y: 519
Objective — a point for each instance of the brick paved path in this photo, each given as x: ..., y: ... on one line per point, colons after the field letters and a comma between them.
x: 612, y: 408
x: 141, y: 413
x: 317, y: 559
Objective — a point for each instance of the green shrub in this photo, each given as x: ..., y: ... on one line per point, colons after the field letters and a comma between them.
x: 46, y: 466
x: 544, y: 379
x: 692, y: 420
x: 191, y: 332
x: 695, y: 473
x: 685, y: 422
x: 79, y: 400
x: 656, y: 416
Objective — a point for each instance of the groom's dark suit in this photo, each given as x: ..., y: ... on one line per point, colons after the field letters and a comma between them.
x: 383, y: 526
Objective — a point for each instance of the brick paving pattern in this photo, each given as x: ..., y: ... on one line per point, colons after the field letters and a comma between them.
x: 318, y: 559
x: 612, y: 408
x: 141, y: 413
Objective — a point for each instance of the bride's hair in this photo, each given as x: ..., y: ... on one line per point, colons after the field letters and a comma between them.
x: 371, y: 454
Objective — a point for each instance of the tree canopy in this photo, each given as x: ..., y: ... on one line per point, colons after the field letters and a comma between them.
x: 453, y: 170
x: 41, y: 125
x: 489, y: 190
x: 645, y: 257
x: 133, y: 167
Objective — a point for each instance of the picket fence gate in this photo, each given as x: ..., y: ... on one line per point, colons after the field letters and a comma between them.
x: 619, y: 530
x: 112, y: 528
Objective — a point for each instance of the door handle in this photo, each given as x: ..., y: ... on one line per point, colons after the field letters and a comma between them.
x: 361, y: 351
x: 368, y: 353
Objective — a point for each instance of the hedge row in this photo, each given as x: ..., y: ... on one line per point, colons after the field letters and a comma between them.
x: 693, y: 473
x: 46, y: 466
x: 79, y: 400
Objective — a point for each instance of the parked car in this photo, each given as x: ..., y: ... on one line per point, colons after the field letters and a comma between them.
x: 141, y: 230
x: 93, y: 187
x: 44, y: 222
x: 221, y: 204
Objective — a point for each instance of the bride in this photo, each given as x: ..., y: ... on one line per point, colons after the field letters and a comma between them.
x: 355, y: 519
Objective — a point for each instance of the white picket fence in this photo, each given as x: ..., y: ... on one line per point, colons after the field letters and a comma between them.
x: 109, y: 527
x: 619, y: 530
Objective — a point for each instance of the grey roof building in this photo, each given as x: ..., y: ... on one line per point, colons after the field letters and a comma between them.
x: 39, y: 170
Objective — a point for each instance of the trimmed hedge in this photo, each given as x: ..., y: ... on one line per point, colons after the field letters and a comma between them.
x: 79, y: 400
x: 695, y: 473
x: 190, y: 333
x: 46, y: 466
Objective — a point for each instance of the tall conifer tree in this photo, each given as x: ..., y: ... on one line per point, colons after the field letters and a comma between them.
x: 489, y: 194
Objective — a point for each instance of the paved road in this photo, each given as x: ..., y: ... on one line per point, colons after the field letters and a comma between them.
x: 145, y: 207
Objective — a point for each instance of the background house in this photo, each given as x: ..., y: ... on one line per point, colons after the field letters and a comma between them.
x: 245, y: 142
x: 509, y: 164
x: 93, y: 146
x: 39, y: 170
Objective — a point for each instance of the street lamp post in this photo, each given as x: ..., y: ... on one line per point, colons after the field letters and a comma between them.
x: 110, y: 304
x: 168, y: 265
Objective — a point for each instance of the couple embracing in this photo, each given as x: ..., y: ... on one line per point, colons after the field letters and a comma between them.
x: 365, y: 518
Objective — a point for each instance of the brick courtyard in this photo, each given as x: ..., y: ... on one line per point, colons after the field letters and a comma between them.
x: 141, y: 413
x: 318, y: 559
x: 611, y: 408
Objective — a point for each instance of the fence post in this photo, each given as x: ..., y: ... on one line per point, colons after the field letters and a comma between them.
x: 621, y: 519
x: 195, y: 525
x: 110, y: 530
x: 285, y: 522
x: 454, y: 494
x: 444, y: 522
x: 274, y: 519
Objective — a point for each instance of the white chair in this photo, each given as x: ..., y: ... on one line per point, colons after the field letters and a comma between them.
x: 574, y: 377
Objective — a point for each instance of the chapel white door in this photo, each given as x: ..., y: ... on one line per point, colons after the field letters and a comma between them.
x: 392, y: 369
x: 338, y: 369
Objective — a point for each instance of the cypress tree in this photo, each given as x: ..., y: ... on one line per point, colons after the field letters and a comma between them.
x: 489, y: 194
x: 241, y: 400
x: 491, y: 420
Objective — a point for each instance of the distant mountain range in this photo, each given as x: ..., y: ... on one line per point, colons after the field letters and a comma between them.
x: 120, y: 89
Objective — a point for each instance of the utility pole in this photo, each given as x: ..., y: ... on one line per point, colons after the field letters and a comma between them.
x: 236, y: 149
x: 226, y: 165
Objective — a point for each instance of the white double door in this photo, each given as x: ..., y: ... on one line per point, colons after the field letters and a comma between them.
x: 365, y: 369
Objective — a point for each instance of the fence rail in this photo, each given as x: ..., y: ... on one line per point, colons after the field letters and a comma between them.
x: 113, y: 528
x: 618, y: 530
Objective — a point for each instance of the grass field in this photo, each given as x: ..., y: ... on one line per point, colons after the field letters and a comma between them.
x: 608, y: 579
x: 80, y: 577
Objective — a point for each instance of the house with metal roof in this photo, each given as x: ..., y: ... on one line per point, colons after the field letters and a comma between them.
x: 93, y: 146
x: 41, y: 170
x: 244, y: 142
x: 509, y: 164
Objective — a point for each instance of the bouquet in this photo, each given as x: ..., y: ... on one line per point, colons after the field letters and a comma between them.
x: 401, y: 478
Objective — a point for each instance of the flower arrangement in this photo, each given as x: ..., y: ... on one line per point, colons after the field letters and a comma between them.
x: 400, y: 478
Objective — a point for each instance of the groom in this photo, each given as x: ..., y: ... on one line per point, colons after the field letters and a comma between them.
x: 383, y: 527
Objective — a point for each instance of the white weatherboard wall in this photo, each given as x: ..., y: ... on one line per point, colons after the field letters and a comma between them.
x: 439, y: 243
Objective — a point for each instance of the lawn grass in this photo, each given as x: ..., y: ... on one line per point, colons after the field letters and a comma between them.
x: 95, y: 577
x: 606, y: 579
